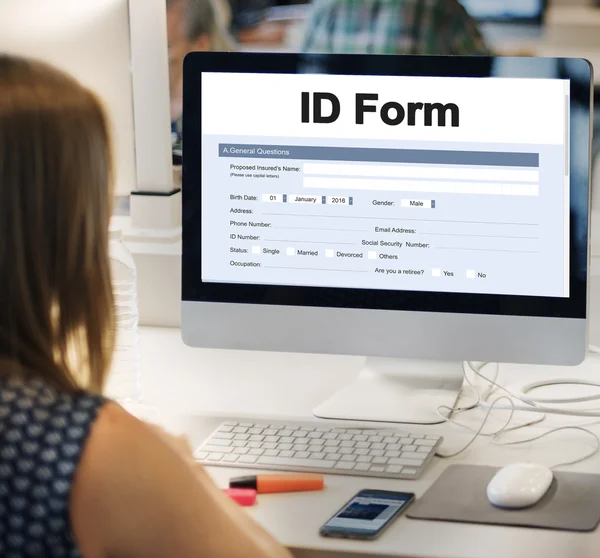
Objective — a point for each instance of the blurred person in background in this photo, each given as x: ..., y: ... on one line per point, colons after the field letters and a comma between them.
x: 392, y: 27
x: 79, y: 476
x: 192, y: 25
x: 250, y: 25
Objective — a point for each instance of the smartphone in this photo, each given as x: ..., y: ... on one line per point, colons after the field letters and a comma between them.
x: 367, y: 514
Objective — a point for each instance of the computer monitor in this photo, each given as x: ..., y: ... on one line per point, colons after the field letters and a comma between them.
x: 394, y: 207
x: 526, y: 11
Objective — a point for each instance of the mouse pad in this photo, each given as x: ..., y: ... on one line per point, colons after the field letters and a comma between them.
x: 572, y: 502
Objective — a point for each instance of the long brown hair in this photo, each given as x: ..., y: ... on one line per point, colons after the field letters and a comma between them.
x: 56, y: 304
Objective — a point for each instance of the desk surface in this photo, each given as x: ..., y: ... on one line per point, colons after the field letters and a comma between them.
x: 188, y: 385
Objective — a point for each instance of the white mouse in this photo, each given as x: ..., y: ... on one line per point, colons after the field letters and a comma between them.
x: 520, y: 485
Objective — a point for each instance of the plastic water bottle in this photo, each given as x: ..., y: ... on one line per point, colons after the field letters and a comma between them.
x: 124, y: 382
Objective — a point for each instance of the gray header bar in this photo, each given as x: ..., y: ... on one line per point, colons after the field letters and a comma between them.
x: 365, y: 154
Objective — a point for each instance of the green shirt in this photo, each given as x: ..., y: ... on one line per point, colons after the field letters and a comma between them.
x: 392, y: 27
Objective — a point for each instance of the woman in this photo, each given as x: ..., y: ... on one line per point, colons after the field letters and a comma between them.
x: 78, y: 475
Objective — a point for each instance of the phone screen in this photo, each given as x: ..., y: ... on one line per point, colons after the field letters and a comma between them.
x: 367, y: 513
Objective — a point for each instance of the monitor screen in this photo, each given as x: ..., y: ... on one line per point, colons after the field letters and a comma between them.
x: 386, y: 183
x: 505, y: 10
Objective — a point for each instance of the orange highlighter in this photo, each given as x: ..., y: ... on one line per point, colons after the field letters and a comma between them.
x: 271, y: 484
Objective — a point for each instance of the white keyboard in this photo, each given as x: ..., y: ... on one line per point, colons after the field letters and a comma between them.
x: 309, y: 447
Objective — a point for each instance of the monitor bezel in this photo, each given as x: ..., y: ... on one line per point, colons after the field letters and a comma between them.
x: 196, y: 290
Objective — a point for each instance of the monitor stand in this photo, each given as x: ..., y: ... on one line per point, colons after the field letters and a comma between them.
x: 396, y: 390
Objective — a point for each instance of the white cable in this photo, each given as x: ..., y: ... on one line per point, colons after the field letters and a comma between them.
x: 533, y: 407
x: 553, y: 431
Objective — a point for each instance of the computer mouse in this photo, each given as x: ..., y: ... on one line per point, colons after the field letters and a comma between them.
x: 519, y: 485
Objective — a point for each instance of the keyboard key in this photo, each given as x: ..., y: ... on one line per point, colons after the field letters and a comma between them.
x: 377, y: 469
x: 375, y: 439
x: 329, y: 436
x: 354, y: 431
x: 323, y: 429
x: 332, y: 443
x: 239, y: 444
x: 256, y: 438
x: 393, y: 447
x: 217, y: 442
x: 411, y: 472
x: 286, y: 453
x: 380, y: 460
x: 299, y: 434
x: 300, y: 447
x: 246, y: 424
x: 347, y: 444
x: 362, y: 445
x: 231, y: 458
x: 390, y: 440
x: 436, y: 438
x: 285, y: 433
x: 317, y: 455
x: 272, y: 453
x: 409, y: 448
x: 425, y: 442
x: 255, y: 431
x: 405, y: 462
x: 317, y: 442
x: 251, y: 459
x: 223, y: 436
x: 241, y: 451
x: 359, y: 438
x: 269, y: 445
x: 302, y: 454
x: 333, y: 456
x: 256, y: 452
x: 376, y: 453
x: 201, y: 455
x: 378, y: 446
x: 287, y: 440
x: 229, y: 423
x: 270, y: 432
x: 240, y: 430
x: 216, y: 449
x: 362, y: 467
x: 345, y: 451
x: 254, y: 445
x: 348, y: 458
x: 364, y: 459
x: 215, y: 456
x: 271, y: 439
x: 242, y: 437
x: 363, y: 451
x: 392, y: 454
x: 418, y: 436
x: 344, y: 465
x: 294, y: 462
x: 315, y: 434
x: 285, y: 447
x: 413, y: 455
x: 394, y: 469
x: 345, y: 437
x: 423, y: 449
x: 407, y: 441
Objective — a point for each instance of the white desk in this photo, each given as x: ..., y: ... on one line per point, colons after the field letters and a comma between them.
x: 185, y: 383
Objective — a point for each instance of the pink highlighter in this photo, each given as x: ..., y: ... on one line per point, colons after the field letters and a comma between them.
x: 242, y: 496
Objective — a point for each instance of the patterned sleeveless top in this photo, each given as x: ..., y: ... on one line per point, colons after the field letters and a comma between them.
x: 42, y: 435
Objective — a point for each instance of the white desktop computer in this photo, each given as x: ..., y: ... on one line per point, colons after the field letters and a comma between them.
x: 395, y: 207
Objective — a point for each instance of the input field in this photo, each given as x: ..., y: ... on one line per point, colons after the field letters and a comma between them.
x: 423, y: 172
x: 430, y: 187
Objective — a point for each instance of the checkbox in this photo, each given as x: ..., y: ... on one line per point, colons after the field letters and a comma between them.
x: 256, y: 249
x: 290, y: 252
x: 372, y: 255
x: 470, y: 274
x: 436, y: 272
x: 329, y: 253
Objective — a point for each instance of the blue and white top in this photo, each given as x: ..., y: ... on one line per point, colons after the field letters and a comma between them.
x: 42, y: 434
